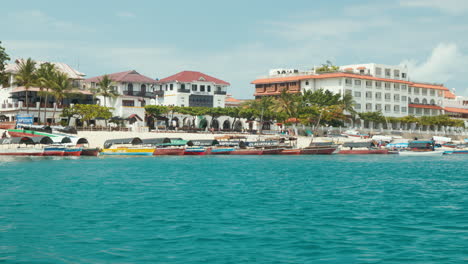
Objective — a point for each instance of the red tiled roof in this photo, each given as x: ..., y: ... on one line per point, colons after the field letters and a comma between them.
x: 456, y: 110
x: 429, y: 86
x: 192, y: 76
x: 127, y: 76
x: 425, y: 106
x: 232, y: 100
x: 449, y: 95
x: 361, y: 68
x: 325, y: 76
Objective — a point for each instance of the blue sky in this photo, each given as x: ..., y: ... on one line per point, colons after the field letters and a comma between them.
x: 239, y: 41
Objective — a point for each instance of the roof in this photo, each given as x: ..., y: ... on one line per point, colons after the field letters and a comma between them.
x: 37, y: 89
x: 429, y: 86
x: 425, y: 106
x: 126, y: 76
x: 449, y: 95
x: 324, y: 76
x: 192, y: 76
x: 61, y: 67
x: 456, y: 110
x: 232, y: 100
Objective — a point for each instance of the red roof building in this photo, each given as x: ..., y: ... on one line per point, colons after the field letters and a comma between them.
x: 126, y: 76
x: 192, y: 76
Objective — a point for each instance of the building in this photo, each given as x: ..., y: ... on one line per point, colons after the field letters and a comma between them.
x: 232, y: 102
x: 134, y: 92
x: 374, y: 87
x: 191, y: 88
x: 13, y: 97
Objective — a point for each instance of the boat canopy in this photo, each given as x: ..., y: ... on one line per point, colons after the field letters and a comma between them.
x: 61, y: 140
x: 16, y: 140
x: 203, y: 142
x: 230, y: 143
x: 266, y: 143
x: 155, y: 141
x: 42, y: 140
x: 421, y: 144
x: 357, y: 144
x: 133, y: 141
x: 76, y: 140
x: 46, y: 129
x: 67, y: 129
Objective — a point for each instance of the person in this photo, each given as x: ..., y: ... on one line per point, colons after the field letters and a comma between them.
x: 4, y: 135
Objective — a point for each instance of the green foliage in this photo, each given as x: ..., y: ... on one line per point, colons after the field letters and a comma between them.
x: 3, y: 60
x: 86, y: 112
x: 376, y: 117
x: 328, y: 67
x: 105, y: 88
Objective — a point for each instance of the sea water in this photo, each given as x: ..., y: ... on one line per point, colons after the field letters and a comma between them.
x: 242, y: 209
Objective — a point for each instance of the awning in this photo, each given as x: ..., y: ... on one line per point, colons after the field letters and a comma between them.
x: 134, y: 116
x: 155, y: 141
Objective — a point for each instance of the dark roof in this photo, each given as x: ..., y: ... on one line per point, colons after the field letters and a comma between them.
x: 42, y: 140
x: 155, y: 141
x: 203, y: 142
x: 133, y: 141
x: 127, y: 76
x: 192, y: 76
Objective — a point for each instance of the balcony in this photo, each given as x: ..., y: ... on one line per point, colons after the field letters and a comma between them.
x: 159, y: 93
x: 220, y: 92
x: 183, y: 90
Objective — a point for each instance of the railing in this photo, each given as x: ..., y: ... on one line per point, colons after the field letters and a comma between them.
x: 220, y: 92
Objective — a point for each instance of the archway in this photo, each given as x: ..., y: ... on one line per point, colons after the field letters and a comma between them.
x: 416, y: 100
x: 143, y: 89
x: 432, y: 102
x: 215, y: 124
x: 226, y: 125
x: 424, y: 101
x: 238, y: 126
x: 203, y: 123
x: 266, y: 126
x: 130, y: 89
x: 174, y: 123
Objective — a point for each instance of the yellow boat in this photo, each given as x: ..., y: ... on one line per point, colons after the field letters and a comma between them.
x: 127, y: 146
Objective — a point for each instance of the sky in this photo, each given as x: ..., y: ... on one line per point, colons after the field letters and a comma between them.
x: 239, y: 41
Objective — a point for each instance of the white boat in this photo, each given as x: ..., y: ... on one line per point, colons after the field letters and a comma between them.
x: 421, y: 153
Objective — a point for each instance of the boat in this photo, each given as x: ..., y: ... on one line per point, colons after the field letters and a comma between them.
x: 244, y: 151
x: 421, y: 148
x: 355, y: 133
x: 54, y: 151
x: 201, y: 146
x: 171, y: 146
x: 322, y: 148
x: 221, y: 151
x: 127, y: 146
x: 195, y: 151
x: 169, y: 151
x: 19, y: 146
x: 291, y: 151
x: 87, y: 151
x: 72, y: 151
x: 360, y: 148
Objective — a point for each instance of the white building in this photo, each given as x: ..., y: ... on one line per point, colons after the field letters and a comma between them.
x: 13, y: 97
x: 191, y: 88
x: 134, y: 92
x: 375, y: 87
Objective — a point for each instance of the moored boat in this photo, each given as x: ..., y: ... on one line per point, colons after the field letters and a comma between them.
x: 421, y: 153
x: 289, y: 151
x: 127, y: 146
x: 54, y: 151
x: 421, y: 148
x: 361, y: 148
x: 220, y: 151
x: 72, y: 151
x: 241, y: 151
x: 195, y: 151
x: 86, y: 151
x: 19, y: 146
x: 319, y: 148
x: 169, y: 151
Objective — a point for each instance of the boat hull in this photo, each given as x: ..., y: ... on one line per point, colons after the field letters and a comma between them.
x: 90, y: 152
x: 272, y: 151
x: 363, y: 151
x: 247, y: 152
x: 421, y: 153
x: 21, y: 152
x: 54, y: 151
x: 220, y: 151
x: 290, y: 152
x: 460, y: 152
x: 72, y: 152
x: 317, y: 151
x: 168, y: 151
x: 128, y: 152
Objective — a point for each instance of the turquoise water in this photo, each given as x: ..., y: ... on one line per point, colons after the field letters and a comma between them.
x: 265, y: 209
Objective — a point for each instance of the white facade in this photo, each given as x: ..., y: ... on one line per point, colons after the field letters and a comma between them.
x: 198, y: 93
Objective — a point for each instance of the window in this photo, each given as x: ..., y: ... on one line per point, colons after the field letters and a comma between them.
x: 378, y: 85
x: 348, y: 82
x: 182, y: 86
x: 93, y: 85
x: 357, y: 82
x: 409, y: 100
x: 369, y: 95
x: 403, y: 98
x: 388, y: 97
x: 130, y: 89
x: 387, y: 86
x: 388, y: 72
x: 424, y: 101
x: 387, y: 108
x: 378, y: 71
x: 427, y: 111
x: 166, y: 87
x: 416, y: 100
x: 396, y: 73
x: 396, y: 87
x: 202, y: 88
x: 357, y: 94
x: 194, y: 87
x: 349, y: 92
x: 403, y: 75
x: 128, y: 103
x: 307, y: 83
x: 424, y: 91
x: 396, y: 97
x: 378, y: 96
x: 403, y: 87
x: 171, y: 86
x: 396, y: 108
x: 416, y: 90
x: 368, y: 83
x: 432, y: 92
x: 378, y: 107
x: 410, y: 90
x: 368, y: 106
x: 143, y: 89
x: 357, y: 106
x: 403, y: 109
x: 209, y: 88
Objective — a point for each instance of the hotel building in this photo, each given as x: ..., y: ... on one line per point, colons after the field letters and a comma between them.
x: 374, y: 87
x: 191, y: 88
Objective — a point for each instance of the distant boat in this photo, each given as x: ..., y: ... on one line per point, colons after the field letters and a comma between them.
x: 127, y: 146
x: 19, y: 146
x: 319, y: 148
x: 421, y: 153
x: 355, y: 133
x: 421, y: 148
x: 360, y: 148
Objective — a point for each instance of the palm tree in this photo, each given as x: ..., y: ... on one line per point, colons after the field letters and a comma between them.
x: 287, y: 103
x: 105, y: 88
x: 26, y: 77
x: 45, y: 80
x: 61, y: 86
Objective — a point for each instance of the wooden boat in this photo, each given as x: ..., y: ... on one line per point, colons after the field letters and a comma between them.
x: 272, y: 151
x: 220, y: 151
x: 291, y: 152
x: 169, y: 151
x: 54, y: 151
x: 195, y: 151
x: 361, y: 148
x: 73, y: 151
x: 421, y: 148
x: 90, y: 152
x: 244, y: 151
x: 19, y: 146
x: 319, y: 148
x: 127, y: 146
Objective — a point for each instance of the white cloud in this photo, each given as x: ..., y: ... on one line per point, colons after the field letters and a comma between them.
x: 446, y: 63
x: 455, y: 7
x: 125, y: 14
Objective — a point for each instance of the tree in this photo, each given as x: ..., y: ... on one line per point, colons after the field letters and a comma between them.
x: 328, y: 67
x: 87, y: 112
x: 3, y: 59
x: 45, y: 80
x: 105, y: 88
x: 287, y: 105
x: 321, y: 98
x: 26, y: 77
x: 60, y: 88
